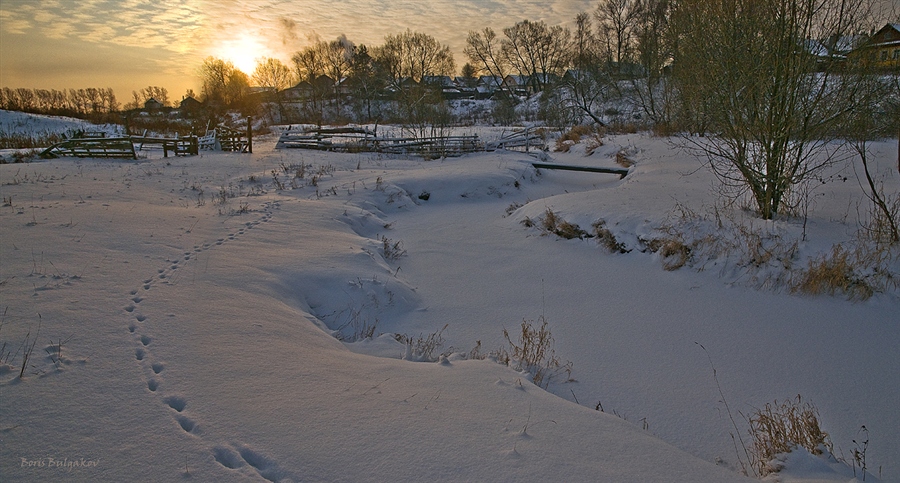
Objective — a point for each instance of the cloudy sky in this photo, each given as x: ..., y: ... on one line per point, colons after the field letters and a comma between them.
x: 130, y: 44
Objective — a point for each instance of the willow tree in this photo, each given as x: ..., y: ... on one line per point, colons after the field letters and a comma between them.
x: 746, y: 72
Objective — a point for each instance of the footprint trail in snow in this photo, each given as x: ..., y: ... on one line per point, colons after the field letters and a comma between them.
x: 235, y: 457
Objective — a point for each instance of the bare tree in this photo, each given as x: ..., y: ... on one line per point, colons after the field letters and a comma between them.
x: 272, y: 73
x: 584, y: 88
x: 367, y: 81
x: 617, y: 21
x: 338, y: 57
x: 414, y: 55
x: 225, y: 86
x: 138, y: 98
x: 323, y: 65
x: 213, y: 75
x: 484, y: 50
x: 742, y: 65
x: 537, y: 51
x: 653, y: 50
x: 874, y: 117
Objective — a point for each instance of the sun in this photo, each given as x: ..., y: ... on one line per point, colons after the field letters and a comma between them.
x: 243, y: 51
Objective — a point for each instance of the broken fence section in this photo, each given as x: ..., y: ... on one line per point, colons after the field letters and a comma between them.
x: 92, y: 147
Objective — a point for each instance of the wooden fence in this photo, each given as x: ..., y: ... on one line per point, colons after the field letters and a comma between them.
x: 179, y: 146
x: 356, y: 139
x: 92, y: 147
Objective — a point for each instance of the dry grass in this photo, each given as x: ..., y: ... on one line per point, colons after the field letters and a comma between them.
x: 574, y: 135
x: 30, y: 141
x: 358, y: 327
x: 834, y: 273
x: 594, y: 142
x: 673, y: 251
x: 553, y: 223
x: 608, y: 239
x: 623, y: 160
x: 780, y: 428
x: 391, y: 249
x: 423, y: 348
x: 534, y: 353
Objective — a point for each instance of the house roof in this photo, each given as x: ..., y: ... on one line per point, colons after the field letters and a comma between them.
x: 889, y: 35
x: 189, y: 101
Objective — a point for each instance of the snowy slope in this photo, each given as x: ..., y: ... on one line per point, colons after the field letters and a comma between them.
x: 195, y: 304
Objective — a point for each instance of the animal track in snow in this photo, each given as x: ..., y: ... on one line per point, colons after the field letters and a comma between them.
x: 175, y: 402
x: 240, y: 456
x: 227, y: 458
x: 186, y: 423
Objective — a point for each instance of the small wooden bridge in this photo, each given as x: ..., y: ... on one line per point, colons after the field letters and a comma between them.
x: 622, y: 172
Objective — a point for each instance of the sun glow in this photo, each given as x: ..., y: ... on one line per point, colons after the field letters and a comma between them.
x: 243, y: 51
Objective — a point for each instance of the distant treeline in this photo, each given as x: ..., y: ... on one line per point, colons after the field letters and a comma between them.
x: 90, y: 103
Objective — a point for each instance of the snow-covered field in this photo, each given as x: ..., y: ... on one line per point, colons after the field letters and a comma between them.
x: 187, y: 315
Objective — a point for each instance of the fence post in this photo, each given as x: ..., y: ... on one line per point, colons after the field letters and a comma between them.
x: 250, y: 135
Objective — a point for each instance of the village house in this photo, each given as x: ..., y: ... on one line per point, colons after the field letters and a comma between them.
x: 190, y: 107
x: 152, y: 105
x: 322, y: 86
x: 883, y: 48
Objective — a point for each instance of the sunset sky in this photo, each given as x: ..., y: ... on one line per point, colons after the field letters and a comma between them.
x: 130, y: 44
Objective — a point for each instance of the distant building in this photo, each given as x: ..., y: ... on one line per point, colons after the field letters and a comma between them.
x: 882, y: 49
x: 152, y: 104
x: 322, y: 86
x: 190, y: 107
x: 190, y: 104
